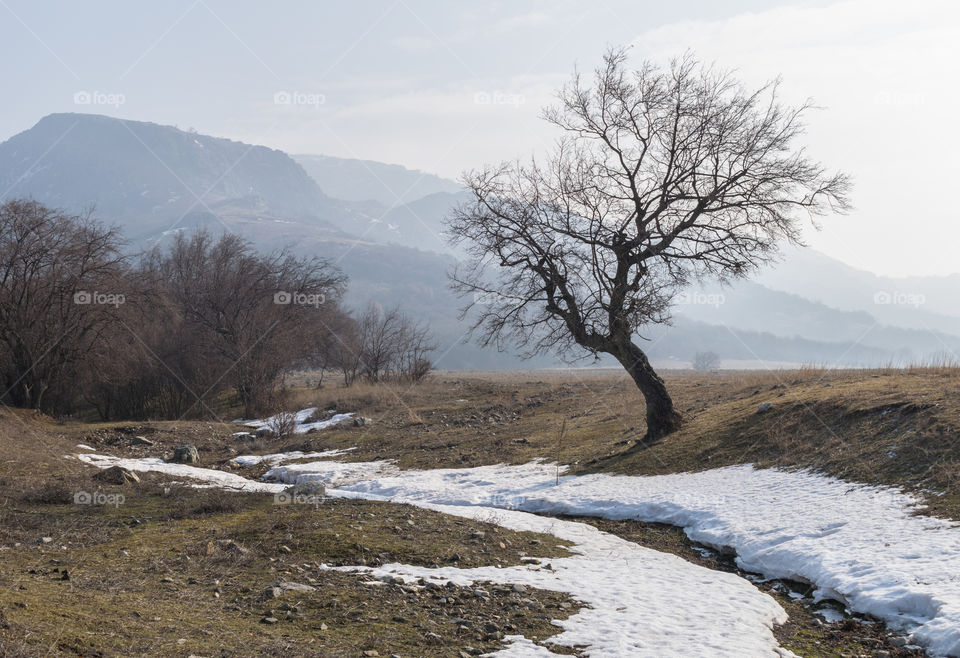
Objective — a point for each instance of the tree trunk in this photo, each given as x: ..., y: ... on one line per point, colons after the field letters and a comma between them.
x: 662, y: 419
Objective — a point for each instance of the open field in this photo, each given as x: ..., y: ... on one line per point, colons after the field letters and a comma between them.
x: 181, y: 571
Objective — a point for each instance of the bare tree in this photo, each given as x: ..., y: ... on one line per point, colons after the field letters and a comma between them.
x: 663, y: 176
x: 706, y: 361
x: 259, y: 314
x: 61, y: 287
x: 392, y: 345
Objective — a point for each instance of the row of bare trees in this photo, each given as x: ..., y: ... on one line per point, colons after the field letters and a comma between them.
x: 169, y: 333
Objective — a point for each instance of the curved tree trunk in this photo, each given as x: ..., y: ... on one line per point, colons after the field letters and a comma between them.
x: 662, y: 418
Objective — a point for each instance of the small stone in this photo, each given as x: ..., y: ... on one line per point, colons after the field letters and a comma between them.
x: 287, y: 586
x: 898, y: 642
x: 764, y: 407
x: 186, y: 454
x: 117, y: 475
x: 371, y: 652
x: 269, y: 620
x: 273, y: 592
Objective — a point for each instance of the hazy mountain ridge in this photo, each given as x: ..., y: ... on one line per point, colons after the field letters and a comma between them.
x: 143, y: 176
x: 367, y: 180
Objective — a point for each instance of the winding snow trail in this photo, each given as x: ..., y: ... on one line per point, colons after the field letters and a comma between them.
x: 638, y: 602
x: 865, y: 546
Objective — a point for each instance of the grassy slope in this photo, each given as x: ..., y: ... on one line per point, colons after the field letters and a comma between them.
x: 883, y: 427
x: 185, y: 572
x: 878, y: 427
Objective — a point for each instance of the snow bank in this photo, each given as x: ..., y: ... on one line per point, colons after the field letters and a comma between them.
x: 639, y: 602
x: 207, y: 476
x: 280, y: 457
x: 333, y: 474
x: 301, y: 426
x: 864, y: 546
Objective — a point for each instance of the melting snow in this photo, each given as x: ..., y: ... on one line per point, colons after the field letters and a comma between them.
x: 863, y: 546
x: 301, y: 426
x: 279, y: 457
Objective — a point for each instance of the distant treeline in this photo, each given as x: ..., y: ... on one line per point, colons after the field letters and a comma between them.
x: 164, y: 333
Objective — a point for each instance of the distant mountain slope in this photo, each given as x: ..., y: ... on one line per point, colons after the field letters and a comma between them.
x: 914, y: 302
x: 144, y: 177
x: 364, y: 180
x: 147, y: 177
x: 749, y: 306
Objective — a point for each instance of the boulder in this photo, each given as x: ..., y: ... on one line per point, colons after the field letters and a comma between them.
x: 307, y: 489
x: 186, y: 455
x: 117, y: 475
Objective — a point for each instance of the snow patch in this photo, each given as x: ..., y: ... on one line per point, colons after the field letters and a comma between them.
x: 301, y: 426
x: 279, y: 457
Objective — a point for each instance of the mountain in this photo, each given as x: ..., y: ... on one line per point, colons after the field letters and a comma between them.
x: 148, y: 177
x: 366, y: 180
x: 928, y: 303
x: 750, y: 306
x: 154, y: 180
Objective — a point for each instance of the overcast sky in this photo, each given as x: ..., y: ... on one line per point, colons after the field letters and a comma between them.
x: 445, y: 86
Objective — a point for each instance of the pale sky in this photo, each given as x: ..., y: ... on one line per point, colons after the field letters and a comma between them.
x: 446, y: 86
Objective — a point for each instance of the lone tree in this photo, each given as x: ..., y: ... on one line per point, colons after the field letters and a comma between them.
x: 706, y: 361
x: 662, y: 176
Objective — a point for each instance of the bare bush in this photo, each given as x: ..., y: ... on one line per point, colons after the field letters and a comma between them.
x: 706, y: 361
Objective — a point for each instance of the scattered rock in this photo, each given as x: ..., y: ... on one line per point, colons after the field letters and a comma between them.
x: 764, y: 407
x: 117, y: 475
x: 232, y: 546
x: 307, y: 489
x: 186, y: 455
